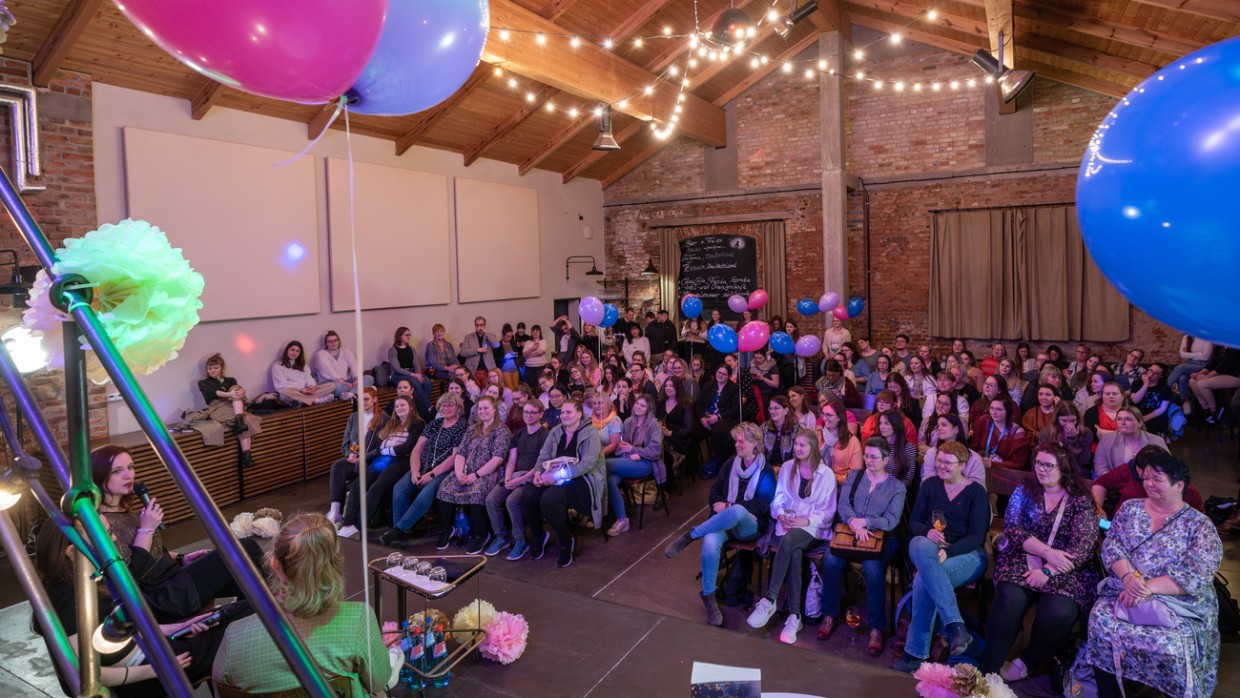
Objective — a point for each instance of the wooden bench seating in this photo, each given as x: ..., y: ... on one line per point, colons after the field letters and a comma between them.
x: 296, y: 445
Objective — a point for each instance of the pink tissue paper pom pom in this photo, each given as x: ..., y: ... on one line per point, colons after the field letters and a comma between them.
x: 391, y: 632
x: 506, y: 638
x: 934, y: 681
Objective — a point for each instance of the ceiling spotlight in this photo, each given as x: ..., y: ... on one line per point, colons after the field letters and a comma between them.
x: 799, y: 12
x: 1011, y: 82
x: 605, y: 140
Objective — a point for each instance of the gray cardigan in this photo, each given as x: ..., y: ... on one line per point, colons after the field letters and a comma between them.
x: 590, y: 464
x: 648, y: 443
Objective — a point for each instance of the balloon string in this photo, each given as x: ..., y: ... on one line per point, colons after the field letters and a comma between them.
x: 364, y: 515
x: 340, y: 106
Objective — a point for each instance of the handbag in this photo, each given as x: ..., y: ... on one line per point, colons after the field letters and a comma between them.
x: 1148, y: 612
x: 844, y: 542
x: 1035, y: 562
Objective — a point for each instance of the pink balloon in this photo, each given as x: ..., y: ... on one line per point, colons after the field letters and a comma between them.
x: 308, y: 51
x: 808, y: 346
x: 757, y: 299
x: 737, y: 303
x: 829, y: 301
x: 841, y: 312
x: 591, y: 310
x: 753, y: 335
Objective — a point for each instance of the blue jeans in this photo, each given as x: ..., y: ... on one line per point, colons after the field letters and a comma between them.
x: 875, y: 584
x: 735, y: 522
x: 622, y: 468
x: 409, y: 504
x: 934, y: 590
x: 1179, y: 377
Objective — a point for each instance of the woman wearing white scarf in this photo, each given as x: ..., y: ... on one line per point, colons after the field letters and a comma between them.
x: 741, y: 501
x: 803, y: 509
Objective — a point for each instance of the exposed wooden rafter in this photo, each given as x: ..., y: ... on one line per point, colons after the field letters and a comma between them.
x: 1123, y: 33
x: 965, y: 45
x: 1226, y: 10
x: 555, y: 9
x: 917, y: 10
x: 1075, y: 79
x: 999, y: 23
x: 435, y: 114
x: 762, y: 71
x: 632, y: 162
x: 320, y: 120
x: 1087, y: 56
x: 69, y: 28
x: 555, y: 143
x: 592, y: 72
x: 595, y: 155
x: 545, y: 94
x: 204, y: 99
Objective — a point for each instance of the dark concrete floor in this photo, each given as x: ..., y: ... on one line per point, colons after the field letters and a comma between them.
x: 623, y: 620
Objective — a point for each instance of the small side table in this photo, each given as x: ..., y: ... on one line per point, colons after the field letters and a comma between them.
x: 470, y: 638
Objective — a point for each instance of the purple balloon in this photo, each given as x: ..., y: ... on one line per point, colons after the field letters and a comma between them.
x: 591, y: 310
x: 753, y: 335
x: 808, y: 346
x: 738, y: 303
x: 428, y: 49
x: 828, y: 302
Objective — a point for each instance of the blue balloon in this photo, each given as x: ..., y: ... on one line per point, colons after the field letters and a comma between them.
x: 807, y: 307
x: 427, y: 50
x: 781, y: 343
x: 610, y: 315
x: 1156, y: 194
x: 854, y: 306
x: 691, y: 307
x: 722, y: 338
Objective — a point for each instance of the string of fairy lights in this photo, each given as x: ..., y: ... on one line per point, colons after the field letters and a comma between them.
x: 705, y: 48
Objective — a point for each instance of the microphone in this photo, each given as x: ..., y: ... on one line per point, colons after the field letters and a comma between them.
x: 222, y: 614
x: 145, y: 495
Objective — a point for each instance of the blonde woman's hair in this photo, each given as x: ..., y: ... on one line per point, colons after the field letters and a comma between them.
x: 748, y: 431
x: 455, y: 400
x: 309, y: 567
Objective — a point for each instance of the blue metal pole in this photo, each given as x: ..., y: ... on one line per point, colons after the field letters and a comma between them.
x: 243, y: 571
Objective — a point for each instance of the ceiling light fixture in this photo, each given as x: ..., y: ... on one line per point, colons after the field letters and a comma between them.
x: 1011, y: 82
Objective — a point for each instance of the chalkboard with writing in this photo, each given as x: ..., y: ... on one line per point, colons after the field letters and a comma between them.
x: 717, y: 266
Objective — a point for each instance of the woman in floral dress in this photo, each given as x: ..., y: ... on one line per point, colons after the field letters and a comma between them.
x: 1159, y: 550
x: 475, y: 473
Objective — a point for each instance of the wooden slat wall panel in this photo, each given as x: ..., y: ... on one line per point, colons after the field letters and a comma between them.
x: 279, y: 454
x: 324, y: 432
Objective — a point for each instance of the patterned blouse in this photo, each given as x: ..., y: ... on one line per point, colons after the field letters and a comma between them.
x: 1077, y: 535
x: 440, y: 441
x: 1179, y: 661
x: 477, y: 449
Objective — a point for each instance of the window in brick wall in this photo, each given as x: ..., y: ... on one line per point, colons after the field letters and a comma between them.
x: 1019, y: 273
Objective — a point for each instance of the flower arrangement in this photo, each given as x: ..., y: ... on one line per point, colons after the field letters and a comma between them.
x: 959, y: 681
x: 507, y: 635
x: 264, y: 523
x: 475, y: 614
x: 145, y: 292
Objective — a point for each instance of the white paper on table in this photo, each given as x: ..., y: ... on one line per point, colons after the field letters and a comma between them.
x: 705, y: 672
x: 413, y: 580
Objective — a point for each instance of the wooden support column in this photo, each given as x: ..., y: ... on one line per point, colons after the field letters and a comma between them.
x: 834, y: 176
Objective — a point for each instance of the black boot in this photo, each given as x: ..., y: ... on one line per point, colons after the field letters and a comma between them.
x: 713, y: 615
x: 239, y: 423
x: 247, y: 461
x: 677, y: 546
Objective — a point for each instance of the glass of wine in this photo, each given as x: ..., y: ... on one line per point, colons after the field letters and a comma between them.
x: 939, y: 521
x: 853, y: 618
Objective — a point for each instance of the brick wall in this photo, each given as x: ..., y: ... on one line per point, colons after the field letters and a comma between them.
x: 935, y: 141
x: 65, y: 209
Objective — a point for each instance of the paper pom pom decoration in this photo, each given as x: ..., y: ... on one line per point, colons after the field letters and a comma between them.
x: 242, y: 525
x: 506, y: 638
x: 960, y: 681
x: 145, y: 292
x: 476, y: 614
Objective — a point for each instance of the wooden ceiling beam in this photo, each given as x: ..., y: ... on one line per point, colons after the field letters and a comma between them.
x: 594, y: 73
x: 677, y: 48
x: 206, y: 98
x: 762, y: 71
x: 1123, y: 33
x: 1087, y: 56
x: 435, y: 114
x: 555, y: 9
x: 1075, y: 79
x: 634, y: 160
x: 318, y: 123
x: 69, y: 28
x: 545, y: 94
x: 497, y: 133
x: 555, y: 143
x: 918, y: 9
x: 1226, y: 10
x: 965, y: 45
x: 999, y: 22
x: 595, y: 155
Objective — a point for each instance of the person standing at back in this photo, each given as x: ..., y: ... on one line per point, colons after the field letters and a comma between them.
x: 476, y: 354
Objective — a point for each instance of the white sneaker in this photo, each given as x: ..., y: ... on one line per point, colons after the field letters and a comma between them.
x: 620, y: 526
x: 334, y: 517
x: 1014, y: 671
x: 347, y: 531
x: 762, y: 613
x: 345, y: 397
x: 791, y: 627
